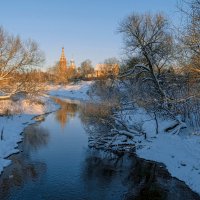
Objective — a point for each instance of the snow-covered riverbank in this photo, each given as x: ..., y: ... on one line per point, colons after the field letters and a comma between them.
x: 77, y: 91
x: 11, y: 129
x: 180, y: 153
x: 181, y: 156
x: 21, y: 113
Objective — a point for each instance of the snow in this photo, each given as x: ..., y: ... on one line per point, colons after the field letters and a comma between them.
x: 78, y: 91
x: 180, y: 153
x: 12, y: 128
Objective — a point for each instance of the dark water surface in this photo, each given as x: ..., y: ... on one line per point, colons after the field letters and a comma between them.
x: 56, y: 163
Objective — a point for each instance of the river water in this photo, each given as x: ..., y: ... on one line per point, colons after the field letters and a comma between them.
x: 56, y: 163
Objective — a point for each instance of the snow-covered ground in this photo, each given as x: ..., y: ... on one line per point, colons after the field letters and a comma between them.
x: 11, y: 129
x: 79, y: 91
x: 180, y: 155
x: 179, y: 152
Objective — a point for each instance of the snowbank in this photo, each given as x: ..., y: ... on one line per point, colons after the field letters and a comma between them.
x: 179, y: 153
x: 11, y: 129
x: 29, y: 106
x: 79, y: 91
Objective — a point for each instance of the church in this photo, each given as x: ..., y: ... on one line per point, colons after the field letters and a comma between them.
x: 63, y: 64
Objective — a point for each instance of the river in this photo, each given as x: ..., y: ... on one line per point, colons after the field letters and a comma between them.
x: 55, y: 162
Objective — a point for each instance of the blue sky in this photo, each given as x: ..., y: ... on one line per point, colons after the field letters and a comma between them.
x: 86, y: 28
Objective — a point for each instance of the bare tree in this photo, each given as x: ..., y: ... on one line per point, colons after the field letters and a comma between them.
x: 190, y: 36
x: 110, y: 68
x: 86, y: 68
x: 16, y: 57
x: 148, y: 37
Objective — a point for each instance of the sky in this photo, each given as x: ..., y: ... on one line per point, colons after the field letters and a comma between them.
x: 87, y: 29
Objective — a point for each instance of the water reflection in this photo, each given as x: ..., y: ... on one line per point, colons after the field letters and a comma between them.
x: 66, y: 112
x: 133, y: 178
x: 21, y: 172
x: 35, y: 137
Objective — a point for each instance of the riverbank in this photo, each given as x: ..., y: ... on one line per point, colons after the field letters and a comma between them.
x: 74, y: 91
x: 180, y: 153
x: 153, y: 135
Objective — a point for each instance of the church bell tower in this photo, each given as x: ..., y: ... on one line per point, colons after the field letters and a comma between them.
x: 63, y: 61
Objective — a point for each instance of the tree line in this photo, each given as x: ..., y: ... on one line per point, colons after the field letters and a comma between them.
x: 21, y: 63
x: 159, y: 59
